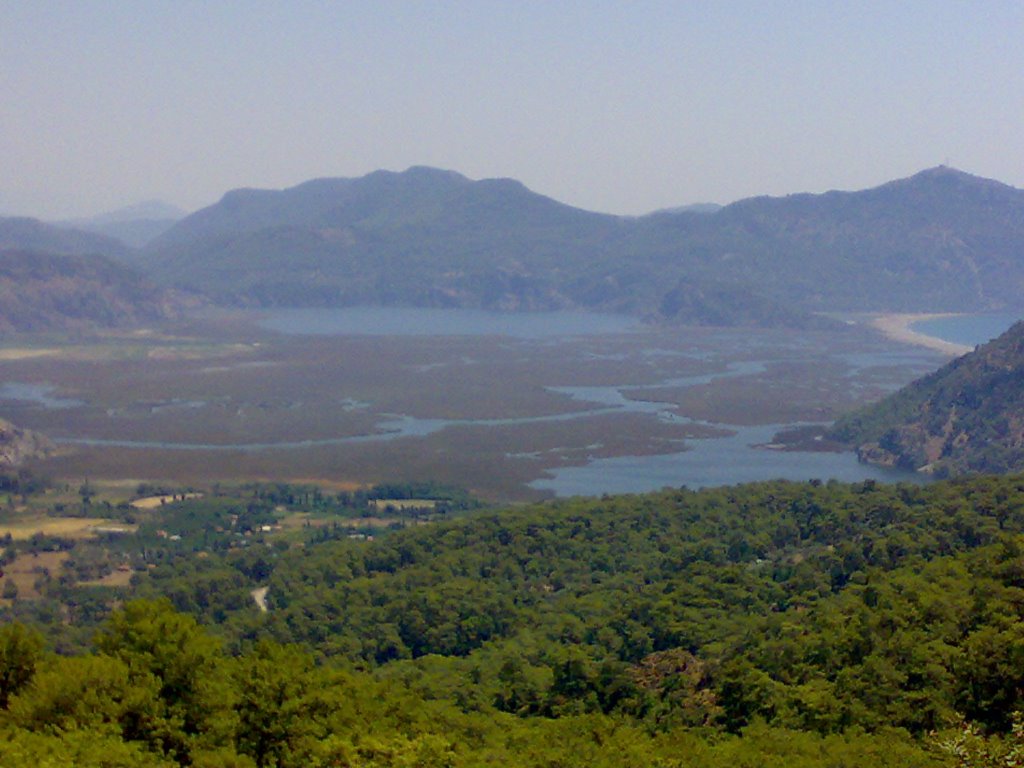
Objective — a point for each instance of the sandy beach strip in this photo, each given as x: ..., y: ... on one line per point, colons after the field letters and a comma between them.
x: 898, y: 328
x: 20, y: 353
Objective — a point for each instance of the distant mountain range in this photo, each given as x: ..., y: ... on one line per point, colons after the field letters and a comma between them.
x: 940, y: 240
x: 423, y: 237
x: 966, y: 417
x: 134, y: 225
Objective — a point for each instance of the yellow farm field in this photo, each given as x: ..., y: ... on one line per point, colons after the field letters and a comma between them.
x: 66, y: 527
x: 152, y: 502
x: 24, y: 353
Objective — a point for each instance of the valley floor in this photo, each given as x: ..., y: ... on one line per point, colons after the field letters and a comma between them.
x: 499, y: 415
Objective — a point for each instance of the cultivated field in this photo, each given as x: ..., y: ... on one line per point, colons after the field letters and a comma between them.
x: 64, y: 527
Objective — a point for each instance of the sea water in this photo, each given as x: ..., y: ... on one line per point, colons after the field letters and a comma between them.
x: 413, y: 321
x: 971, y: 330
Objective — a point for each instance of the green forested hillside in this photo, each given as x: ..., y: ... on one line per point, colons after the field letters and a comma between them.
x: 21, y: 233
x: 940, y: 238
x: 596, y: 590
x: 966, y: 417
x: 425, y: 237
x: 768, y: 624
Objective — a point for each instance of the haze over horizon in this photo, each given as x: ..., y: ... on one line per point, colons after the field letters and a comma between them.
x: 620, y: 108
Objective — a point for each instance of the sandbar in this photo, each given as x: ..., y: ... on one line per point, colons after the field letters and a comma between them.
x: 898, y: 327
x: 23, y: 353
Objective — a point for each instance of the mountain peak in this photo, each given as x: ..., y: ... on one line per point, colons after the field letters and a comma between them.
x: 946, y: 174
x: 427, y: 171
x: 943, y: 170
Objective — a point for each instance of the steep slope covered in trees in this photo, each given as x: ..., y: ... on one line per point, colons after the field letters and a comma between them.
x: 966, y: 417
x: 20, y: 233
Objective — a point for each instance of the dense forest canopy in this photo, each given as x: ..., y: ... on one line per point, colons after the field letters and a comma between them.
x: 805, y: 623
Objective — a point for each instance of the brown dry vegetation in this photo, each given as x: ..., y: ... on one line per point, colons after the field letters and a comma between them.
x: 234, y: 384
x: 116, y: 578
x: 66, y: 527
x: 153, y: 502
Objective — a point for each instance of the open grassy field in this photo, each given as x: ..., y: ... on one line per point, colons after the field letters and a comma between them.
x: 64, y: 527
x: 117, y: 578
x: 152, y: 502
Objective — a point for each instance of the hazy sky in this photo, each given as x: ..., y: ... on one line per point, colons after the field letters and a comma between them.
x: 622, y: 107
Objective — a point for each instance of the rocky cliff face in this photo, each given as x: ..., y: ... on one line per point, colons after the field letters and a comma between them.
x: 17, y: 445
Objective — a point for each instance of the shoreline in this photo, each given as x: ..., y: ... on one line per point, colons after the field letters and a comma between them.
x: 898, y: 327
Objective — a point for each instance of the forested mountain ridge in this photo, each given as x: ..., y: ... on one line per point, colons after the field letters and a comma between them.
x: 966, y: 417
x: 22, y: 233
x: 42, y: 291
x: 941, y: 239
x: 424, y: 237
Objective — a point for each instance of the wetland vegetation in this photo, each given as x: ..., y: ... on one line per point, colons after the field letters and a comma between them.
x: 224, y: 398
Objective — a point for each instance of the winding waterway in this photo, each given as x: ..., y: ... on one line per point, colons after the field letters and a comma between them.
x: 737, y: 454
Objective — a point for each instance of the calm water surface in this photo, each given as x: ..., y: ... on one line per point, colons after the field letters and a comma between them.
x: 712, y: 462
x: 971, y: 330
x: 36, y: 394
x: 410, y: 321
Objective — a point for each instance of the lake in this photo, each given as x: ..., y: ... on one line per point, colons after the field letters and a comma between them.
x: 713, y: 462
x: 971, y: 330
x: 413, y: 321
